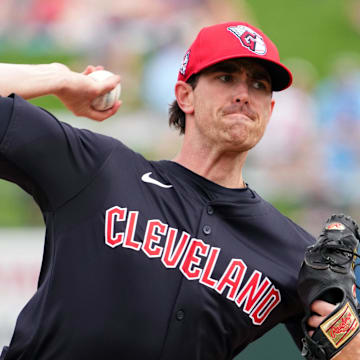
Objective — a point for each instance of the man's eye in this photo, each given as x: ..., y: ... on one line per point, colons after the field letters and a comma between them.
x: 226, y: 78
x: 259, y: 85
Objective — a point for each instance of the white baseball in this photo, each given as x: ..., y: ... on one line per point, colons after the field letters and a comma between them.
x: 106, y: 101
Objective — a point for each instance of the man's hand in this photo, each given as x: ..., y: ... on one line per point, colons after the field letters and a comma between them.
x: 322, y: 309
x: 77, y: 91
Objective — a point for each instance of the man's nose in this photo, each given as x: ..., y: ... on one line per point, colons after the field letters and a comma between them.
x: 241, y: 93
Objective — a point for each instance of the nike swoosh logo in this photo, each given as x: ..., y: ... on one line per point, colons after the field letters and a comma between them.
x: 147, y: 179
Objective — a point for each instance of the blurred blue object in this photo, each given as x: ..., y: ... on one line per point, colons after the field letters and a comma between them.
x: 160, y: 76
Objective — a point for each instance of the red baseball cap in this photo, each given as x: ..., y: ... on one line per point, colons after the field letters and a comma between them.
x: 234, y: 40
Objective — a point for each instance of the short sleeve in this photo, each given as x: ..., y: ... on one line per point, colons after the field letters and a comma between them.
x: 6, y: 108
x: 50, y: 159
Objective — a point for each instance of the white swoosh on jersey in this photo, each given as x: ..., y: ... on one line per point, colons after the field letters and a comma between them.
x: 146, y: 178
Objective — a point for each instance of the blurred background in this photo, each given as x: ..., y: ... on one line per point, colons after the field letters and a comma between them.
x: 307, y: 165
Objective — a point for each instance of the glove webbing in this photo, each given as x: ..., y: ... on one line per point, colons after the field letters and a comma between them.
x: 332, y: 262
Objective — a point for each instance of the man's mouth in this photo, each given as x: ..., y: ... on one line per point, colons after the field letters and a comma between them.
x: 240, y: 110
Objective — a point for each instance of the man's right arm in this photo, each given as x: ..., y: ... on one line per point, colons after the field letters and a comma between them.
x: 75, y: 90
x: 49, y: 159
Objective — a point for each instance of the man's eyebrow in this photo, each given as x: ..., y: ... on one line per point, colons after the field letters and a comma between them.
x: 260, y: 75
x: 226, y: 67
x: 232, y: 67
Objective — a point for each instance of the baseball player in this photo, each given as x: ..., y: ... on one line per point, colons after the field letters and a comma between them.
x: 154, y: 260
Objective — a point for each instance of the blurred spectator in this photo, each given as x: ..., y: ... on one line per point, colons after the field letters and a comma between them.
x: 338, y: 115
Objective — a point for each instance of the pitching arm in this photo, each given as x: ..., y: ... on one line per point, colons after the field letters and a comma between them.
x: 75, y: 90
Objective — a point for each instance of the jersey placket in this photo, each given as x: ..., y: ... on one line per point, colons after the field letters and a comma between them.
x: 185, y: 321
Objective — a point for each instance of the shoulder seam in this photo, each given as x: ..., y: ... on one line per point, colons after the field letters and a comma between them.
x: 96, y: 173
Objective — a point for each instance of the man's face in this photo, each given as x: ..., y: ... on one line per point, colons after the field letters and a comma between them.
x: 232, y: 104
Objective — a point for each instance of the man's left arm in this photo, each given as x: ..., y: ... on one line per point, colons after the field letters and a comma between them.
x: 351, y: 351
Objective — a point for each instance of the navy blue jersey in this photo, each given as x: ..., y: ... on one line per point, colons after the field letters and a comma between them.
x: 143, y: 259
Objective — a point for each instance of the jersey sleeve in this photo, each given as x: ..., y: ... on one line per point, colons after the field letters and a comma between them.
x: 51, y: 160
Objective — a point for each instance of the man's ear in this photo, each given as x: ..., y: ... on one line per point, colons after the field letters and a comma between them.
x: 272, y: 105
x: 184, y: 94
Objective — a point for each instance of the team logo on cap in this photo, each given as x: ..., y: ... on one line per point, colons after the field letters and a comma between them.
x: 184, y: 63
x: 249, y: 39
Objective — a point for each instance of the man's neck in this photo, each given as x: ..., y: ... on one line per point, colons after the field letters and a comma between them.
x: 224, y: 169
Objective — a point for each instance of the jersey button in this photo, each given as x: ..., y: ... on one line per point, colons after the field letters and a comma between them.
x: 210, y: 210
x: 207, y: 229
x: 180, y: 314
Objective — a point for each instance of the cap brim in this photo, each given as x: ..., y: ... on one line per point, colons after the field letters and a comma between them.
x: 281, y: 77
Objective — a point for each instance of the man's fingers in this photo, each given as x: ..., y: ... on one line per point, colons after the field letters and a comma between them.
x: 315, y: 320
x: 322, y: 308
x: 103, y: 115
x: 91, y: 68
x: 109, y: 84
